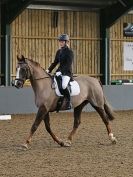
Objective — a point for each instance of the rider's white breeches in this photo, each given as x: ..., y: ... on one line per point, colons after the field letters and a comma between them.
x: 65, y: 81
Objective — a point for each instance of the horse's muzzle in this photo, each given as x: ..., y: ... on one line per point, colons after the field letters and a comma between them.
x: 17, y: 83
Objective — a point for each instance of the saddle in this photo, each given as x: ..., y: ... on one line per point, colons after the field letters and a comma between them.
x: 73, y: 88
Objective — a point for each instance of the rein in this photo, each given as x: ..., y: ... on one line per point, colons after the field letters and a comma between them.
x: 50, y: 76
x: 41, y: 78
x: 45, y: 77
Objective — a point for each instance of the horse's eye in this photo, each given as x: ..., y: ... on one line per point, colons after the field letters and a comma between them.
x: 23, y: 70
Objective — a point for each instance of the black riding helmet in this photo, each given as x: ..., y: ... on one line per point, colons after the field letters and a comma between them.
x: 63, y: 37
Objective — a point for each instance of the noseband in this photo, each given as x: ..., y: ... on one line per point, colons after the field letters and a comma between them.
x: 18, y: 79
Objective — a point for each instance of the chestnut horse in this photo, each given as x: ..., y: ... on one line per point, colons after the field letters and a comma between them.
x: 46, y: 99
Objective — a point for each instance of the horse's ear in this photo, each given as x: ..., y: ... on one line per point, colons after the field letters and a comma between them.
x: 20, y: 58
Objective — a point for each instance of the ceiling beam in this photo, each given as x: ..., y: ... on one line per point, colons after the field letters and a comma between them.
x: 55, y: 7
x: 112, y: 13
x: 64, y: 3
x: 14, y: 8
x: 94, y: 2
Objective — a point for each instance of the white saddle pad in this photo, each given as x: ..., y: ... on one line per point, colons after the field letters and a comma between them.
x: 75, y: 89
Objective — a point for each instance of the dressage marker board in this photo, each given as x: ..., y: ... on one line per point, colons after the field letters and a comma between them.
x: 5, y: 117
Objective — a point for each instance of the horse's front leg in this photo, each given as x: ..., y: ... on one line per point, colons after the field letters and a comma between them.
x: 39, y: 117
x: 48, y: 128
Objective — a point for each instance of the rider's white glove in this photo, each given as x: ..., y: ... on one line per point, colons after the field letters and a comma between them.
x: 47, y: 70
x: 58, y: 73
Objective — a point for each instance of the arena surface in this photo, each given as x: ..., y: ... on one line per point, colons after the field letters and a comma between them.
x: 91, y: 154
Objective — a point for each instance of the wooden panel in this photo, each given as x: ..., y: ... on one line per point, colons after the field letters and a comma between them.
x: 35, y: 32
x: 116, y: 49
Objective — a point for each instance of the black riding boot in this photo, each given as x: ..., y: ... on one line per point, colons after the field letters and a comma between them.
x: 67, y: 96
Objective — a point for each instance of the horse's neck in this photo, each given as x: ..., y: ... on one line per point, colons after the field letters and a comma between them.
x: 39, y: 79
x: 38, y: 73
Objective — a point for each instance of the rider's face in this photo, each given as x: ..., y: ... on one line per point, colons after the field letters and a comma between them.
x: 62, y: 43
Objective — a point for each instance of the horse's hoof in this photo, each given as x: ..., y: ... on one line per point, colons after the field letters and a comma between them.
x: 112, y: 138
x: 23, y: 147
x: 114, y: 141
x: 67, y: 143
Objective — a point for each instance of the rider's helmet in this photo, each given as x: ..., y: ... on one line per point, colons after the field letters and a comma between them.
x: 63, y: 37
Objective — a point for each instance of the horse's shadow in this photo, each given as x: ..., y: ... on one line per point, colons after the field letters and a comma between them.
x: 105, y: 144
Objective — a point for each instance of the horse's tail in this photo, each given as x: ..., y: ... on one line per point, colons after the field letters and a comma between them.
x: 108, y: 109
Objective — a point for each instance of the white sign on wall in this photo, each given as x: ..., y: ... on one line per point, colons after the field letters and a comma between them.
x: 128, y: 56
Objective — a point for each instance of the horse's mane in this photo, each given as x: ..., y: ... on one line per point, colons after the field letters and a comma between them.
x: 34, y: 62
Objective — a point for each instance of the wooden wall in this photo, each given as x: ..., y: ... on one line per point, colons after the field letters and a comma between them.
x: 34, y: 34
x: 116, y: 49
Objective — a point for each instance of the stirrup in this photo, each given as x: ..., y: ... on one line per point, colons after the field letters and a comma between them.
x: 68, y: 105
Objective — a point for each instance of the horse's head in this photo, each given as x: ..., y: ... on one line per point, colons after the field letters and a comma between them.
x: 22, y: 72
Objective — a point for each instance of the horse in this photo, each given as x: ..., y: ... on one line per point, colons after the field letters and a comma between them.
x: 91, y: 91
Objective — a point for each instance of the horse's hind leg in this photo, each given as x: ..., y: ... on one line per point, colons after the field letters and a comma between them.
x: 77, y: 120
x: 48, y: 128
x: 106, y: 121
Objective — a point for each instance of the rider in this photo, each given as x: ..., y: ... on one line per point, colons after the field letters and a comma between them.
x: 64, y: 57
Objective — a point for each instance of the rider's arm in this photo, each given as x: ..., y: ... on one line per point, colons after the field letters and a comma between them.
x: 56, y: 61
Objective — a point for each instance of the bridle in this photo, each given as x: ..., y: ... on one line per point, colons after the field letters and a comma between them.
x: 28, y: 72
x: 25, y: 71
